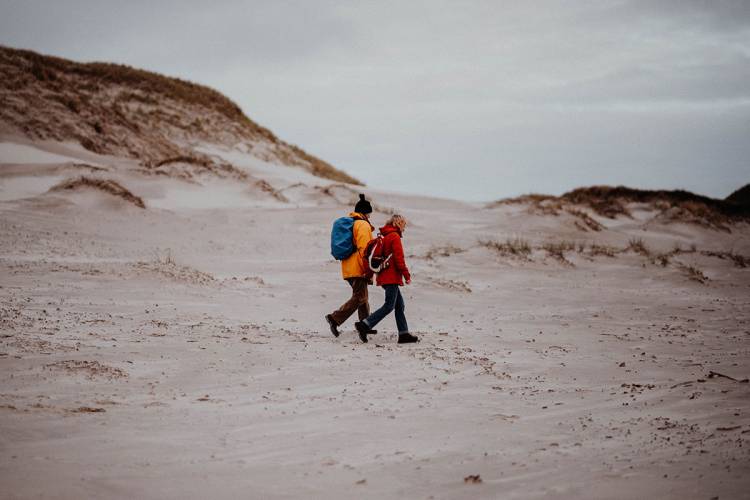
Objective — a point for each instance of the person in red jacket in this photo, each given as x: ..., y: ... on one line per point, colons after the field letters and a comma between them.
x: 391, y: 278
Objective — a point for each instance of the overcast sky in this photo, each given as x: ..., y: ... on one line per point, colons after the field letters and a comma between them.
x: 467, y: 99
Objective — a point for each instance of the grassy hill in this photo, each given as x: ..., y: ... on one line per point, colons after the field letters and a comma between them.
x: 120, y: 110
x: 672, y: 205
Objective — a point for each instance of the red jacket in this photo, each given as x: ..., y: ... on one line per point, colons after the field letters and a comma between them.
x: 396, y: 270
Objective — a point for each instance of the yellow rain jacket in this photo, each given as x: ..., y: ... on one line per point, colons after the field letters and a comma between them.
x: 354, y: 265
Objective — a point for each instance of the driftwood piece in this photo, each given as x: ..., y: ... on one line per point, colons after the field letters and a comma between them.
x: 712, y: 374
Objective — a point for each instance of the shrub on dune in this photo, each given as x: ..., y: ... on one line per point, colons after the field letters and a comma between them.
x: 104, y: 185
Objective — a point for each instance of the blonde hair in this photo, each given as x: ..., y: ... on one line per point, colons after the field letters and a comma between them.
x: 398, y: 221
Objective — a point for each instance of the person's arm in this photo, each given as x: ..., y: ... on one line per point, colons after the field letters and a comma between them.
x: 398, y: 259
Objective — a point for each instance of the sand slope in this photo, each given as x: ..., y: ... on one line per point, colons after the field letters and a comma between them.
x: 179, y: 350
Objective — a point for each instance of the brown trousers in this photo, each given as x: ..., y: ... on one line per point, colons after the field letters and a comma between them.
x: 358, y: 302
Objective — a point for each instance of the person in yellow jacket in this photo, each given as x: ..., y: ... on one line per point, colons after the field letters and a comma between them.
x: 353, y: 269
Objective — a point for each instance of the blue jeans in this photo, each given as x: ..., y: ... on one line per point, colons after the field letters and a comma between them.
x: 393, y: 300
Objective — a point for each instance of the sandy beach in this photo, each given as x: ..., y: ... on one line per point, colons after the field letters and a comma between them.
x: 180, y: 351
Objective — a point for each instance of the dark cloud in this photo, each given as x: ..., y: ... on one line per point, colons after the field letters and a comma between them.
x: 473, y: 99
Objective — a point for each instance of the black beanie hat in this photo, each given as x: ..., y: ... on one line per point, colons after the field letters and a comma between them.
x: 363, y: 206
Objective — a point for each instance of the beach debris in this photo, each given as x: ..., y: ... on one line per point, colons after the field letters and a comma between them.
x: 473, y: 479
x: 713, y: 374
x: 733, y: 428
x: 87, y: 409
x: 91, y: 369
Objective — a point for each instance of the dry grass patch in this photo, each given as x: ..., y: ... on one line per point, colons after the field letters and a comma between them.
x: 694, y: 273
x: 662, y: 259
x: 264, y: 186
x: 188, y: 166
x: 91, y: 369
x: 537, y: 204
x: 638, y: 246
x: 176, y: 272
x: 677, y: 249
x: 601, y: 199
x: 531, y: 199
x: 695, y: 212
x: 86, y: 409
x: 103, y: 185
x: 584, y: 221
x: 455, y: 285
x: 605, y: 250
x: 165, y: 258
x: 737, y: 259
x: 516, y: 247
x: 557, y: 250
x: 442, y: 251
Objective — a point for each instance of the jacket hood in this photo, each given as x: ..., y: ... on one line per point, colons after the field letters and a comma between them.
x: 360, y: 216
x: 387, y: 229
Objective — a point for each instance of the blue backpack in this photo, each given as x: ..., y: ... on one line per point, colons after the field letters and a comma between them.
x: 342, y: 238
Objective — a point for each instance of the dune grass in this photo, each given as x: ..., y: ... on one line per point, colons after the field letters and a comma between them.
x: 557, y: 250
x: 612, y: 202
x: 117, y: 109
x: 638, y: 246
x: 104, y: 185
x: 516, y: 247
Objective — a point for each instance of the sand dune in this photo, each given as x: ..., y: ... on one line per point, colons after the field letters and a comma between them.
x: 179, y: 350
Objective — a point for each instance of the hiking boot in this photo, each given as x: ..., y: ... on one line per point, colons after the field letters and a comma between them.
x: 362, y: 327
x: 407, y: 338
x: 333, y: 325
x: 363, y: 330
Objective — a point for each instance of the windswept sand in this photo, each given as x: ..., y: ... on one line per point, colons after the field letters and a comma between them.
x: 175, y: 352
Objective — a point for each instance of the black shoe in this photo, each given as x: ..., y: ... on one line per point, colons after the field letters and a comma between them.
x: 363, y: 335
x: 333, y: 325
x: 362, y: 327
x: 407, y: 338
x: 363, y: 330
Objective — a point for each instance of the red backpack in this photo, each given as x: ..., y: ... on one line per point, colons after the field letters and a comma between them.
x: 377, y: 261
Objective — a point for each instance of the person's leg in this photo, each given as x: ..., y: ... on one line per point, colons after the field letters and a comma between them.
x: 390, y: 302
x: 400, y: 316
x: 359, y: 296
x: 404, y: 337
x: 363, y: 311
